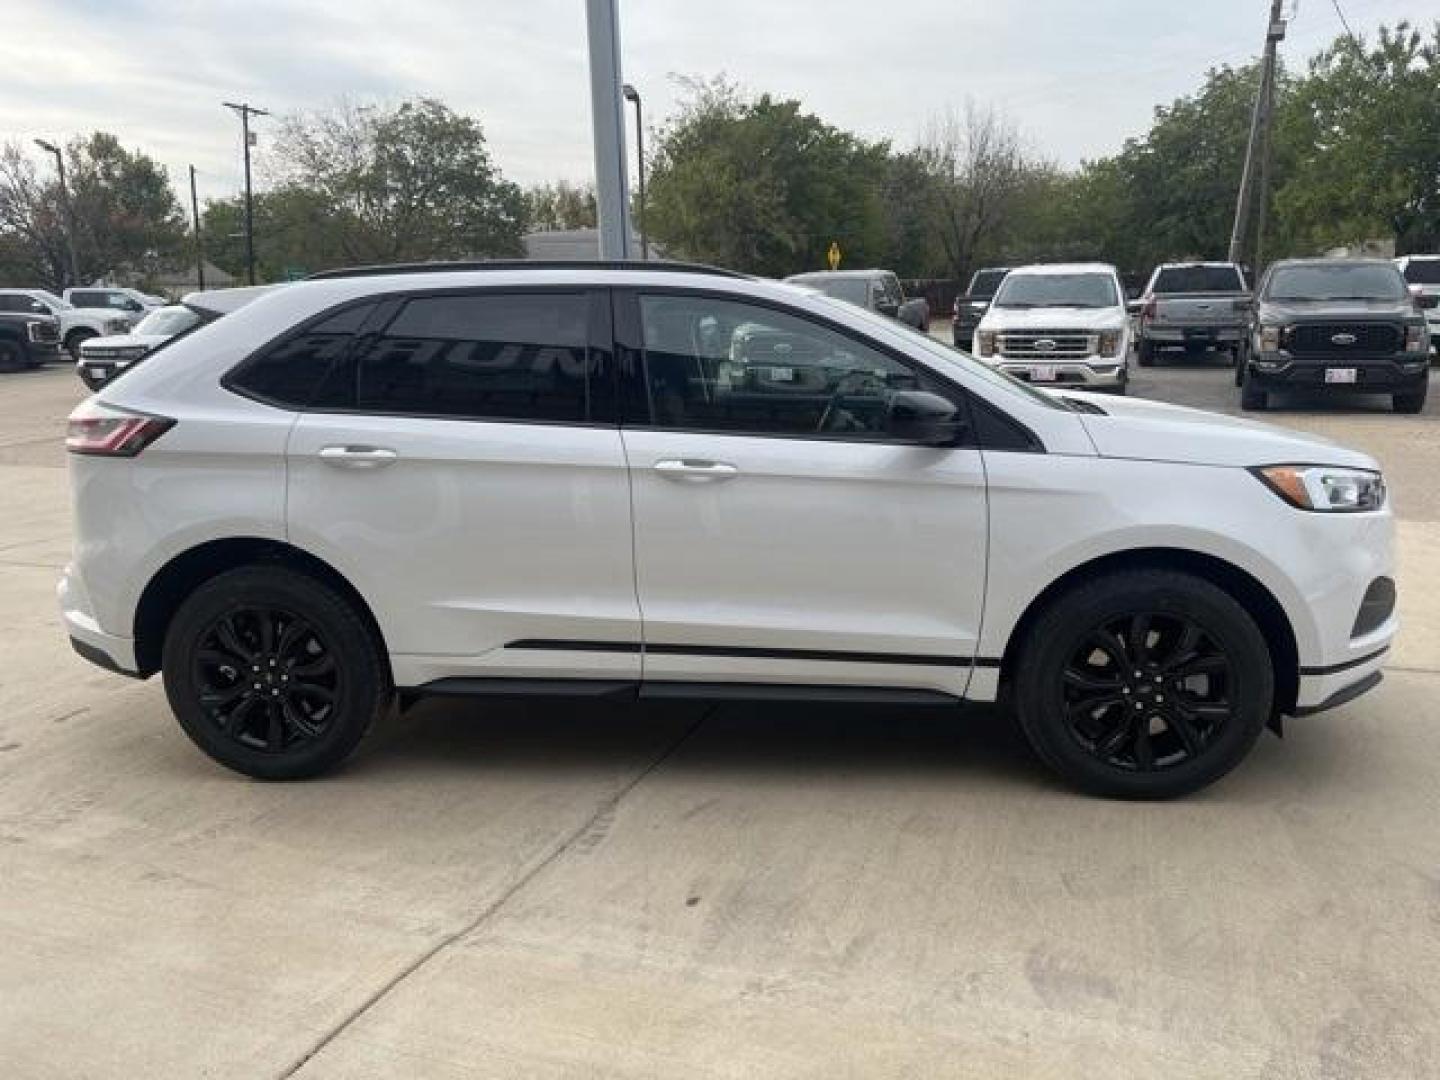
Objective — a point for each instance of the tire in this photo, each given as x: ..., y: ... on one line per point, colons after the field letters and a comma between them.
x: 1146, y: 356
x: 1412, y: 402
x: 13, y: 356
x: 274, y: 729
x: 1252, y: 398
x: 1213, y: 714
x: 73, y: 340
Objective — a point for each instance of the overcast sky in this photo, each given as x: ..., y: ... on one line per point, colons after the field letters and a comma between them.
x: 1076, y: 76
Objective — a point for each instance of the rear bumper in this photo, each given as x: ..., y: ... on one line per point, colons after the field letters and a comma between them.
x: 1182, y: 335
x: 1405, y: 371
x: 109, y: 651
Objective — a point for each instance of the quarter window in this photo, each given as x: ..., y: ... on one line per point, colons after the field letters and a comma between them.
x: 502, y: 356
x: 718, y: 365
x: 289, y: 373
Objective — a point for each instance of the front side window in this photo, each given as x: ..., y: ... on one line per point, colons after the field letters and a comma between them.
x: 500, y: 356
x: 288, y: 373
x: 1423, y: 272
x: 1083, y: 290
x: 720, y: 365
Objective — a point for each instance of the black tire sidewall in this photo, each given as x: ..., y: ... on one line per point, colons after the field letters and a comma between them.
x: 13, y: 356
x: 1055, y: 636
x: 365, y: 684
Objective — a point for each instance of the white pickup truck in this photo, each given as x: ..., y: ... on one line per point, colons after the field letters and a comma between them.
x: 76, y: 324
x: 1192, y: 306
x: 1422, y: 274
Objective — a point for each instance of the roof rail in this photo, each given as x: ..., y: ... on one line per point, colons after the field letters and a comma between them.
x: 524, y: 264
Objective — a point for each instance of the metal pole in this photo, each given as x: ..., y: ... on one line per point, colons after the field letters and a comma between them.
x: 1262, y: 200
x: 199, y: 243
x: 66, y: 209
x: 632, y: 95
x: 606, y: 110
x: 1274, y: 32
x: 246, y: 110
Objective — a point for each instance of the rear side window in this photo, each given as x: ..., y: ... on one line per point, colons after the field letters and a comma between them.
x: 500, y: 356
x: 288, y: 373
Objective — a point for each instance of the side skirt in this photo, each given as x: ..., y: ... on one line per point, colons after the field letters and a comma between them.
x: 624, y: 690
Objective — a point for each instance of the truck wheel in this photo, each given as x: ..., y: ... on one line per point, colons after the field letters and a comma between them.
x: 1144, y: 684
x: 1413, y: 402
x: 1252, y: 398
x: 1147, y: 354
x: 13, y: 356
x: 73, y: 340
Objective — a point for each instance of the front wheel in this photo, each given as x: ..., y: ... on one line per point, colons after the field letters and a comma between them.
x: 1412, y: 402
x: 272, y: 673
x: 13, y: 356
x: 1144, y: 684
x: 1252, y: 398
x: 72, y: 343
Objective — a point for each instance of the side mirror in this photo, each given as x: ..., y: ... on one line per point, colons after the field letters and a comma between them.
x: 888, y: 307
x: 1135, y: 306
x: 918, y: 416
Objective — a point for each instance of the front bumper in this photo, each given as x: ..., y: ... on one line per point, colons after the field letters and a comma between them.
x: 1091, y: 372
x: 1373, y: 374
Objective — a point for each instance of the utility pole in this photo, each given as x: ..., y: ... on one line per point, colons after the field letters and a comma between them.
x: 633, y: 96
x: 65, y: 208
x: 199, y: 244
x: 245, y: 111
x: 1260, y: 121
x: 607, y: 113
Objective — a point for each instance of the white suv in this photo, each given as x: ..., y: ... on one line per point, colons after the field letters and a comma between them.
x: 665, y: 481
x: 1062, y: 325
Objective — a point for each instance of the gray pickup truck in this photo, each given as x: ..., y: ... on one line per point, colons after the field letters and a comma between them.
x: 1192, y: 306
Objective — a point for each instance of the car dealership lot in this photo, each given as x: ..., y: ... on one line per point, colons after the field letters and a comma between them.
x: 733, y: 891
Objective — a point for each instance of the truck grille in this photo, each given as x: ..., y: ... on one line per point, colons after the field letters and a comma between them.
x: 1370, y: 338
x: 1044, y: 345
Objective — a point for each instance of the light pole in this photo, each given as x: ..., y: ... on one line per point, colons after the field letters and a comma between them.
x: 607, y: 113
x: 67, y: 212
x: 199, y: 243
x: 246, y: 111
x: 633, y: 96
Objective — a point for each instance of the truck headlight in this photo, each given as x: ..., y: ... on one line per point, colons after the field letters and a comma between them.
x: 1270, y: 338
x: 985, y: 342
x: 1325, y: 488
x: 117, y: 326
x: 1109, y: 343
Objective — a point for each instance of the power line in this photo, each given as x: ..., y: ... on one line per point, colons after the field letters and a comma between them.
x: 1346, y: 24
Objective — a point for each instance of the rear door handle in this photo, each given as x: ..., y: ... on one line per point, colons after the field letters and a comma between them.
x: 357, y: 457
x: 691, y: 469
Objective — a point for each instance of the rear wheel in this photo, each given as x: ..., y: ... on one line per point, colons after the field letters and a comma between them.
x: 1144, y: 684
x: 1412, y: 402
x: 1252, y: 398
x: 272, y: 673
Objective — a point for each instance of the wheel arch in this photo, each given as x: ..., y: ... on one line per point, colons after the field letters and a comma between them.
x: 1247, y: 590
x: 172, y: 583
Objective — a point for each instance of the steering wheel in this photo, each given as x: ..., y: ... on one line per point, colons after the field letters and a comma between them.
x: 842, y: 388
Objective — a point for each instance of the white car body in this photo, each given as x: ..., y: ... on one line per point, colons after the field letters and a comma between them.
x: 554, y: 551
x: 76, y: 324
x: 1429, y: 288
x: 1057, y: 346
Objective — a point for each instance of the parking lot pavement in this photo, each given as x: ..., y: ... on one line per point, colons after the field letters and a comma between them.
x: 734, y: 892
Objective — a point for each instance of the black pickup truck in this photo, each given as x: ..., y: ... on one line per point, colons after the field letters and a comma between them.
x: 27, y: 340
x: 1336, y: 325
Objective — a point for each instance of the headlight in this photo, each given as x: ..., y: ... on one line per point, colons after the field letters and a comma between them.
x: 1109, y: 342
x: 1415, y: 338
x: 1326, y: 488
x: 985, y: 341
x: 117, y: 326
x: 1270, y: 338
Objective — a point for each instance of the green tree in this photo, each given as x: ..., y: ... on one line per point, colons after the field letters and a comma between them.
x: 413, y: 182
x: 561, y: 205
x: 760, y: 185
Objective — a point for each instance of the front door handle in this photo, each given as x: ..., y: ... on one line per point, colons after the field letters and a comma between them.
x: 357, y: 457
x: 691, y: 469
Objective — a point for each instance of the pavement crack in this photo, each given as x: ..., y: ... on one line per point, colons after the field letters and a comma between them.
x: 597, y: 822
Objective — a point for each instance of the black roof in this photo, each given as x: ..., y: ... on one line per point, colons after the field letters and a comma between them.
x: 525, y: 264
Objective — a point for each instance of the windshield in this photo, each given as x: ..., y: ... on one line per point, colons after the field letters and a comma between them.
x: 1337, y: 281
x: 945, y: 355
x: 984, y: 284
x: 1423, y: 272
x: 167, y: 321
x: 1089, y: 290
x: 1198, y: 279
x: 853, y: 290
x: 53, y: 300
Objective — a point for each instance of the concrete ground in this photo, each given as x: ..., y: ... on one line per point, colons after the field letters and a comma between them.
x: 694, y: 892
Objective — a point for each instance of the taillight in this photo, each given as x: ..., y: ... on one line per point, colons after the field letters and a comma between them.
x: 1415, y: 338
x: 1149, y: 308
x: 105, y: 431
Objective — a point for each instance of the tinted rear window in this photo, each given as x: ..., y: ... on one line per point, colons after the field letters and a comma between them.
x: 1198, y: 279
x: 288, y: 373
x: 502, y: 356
x: 1423, y: 272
